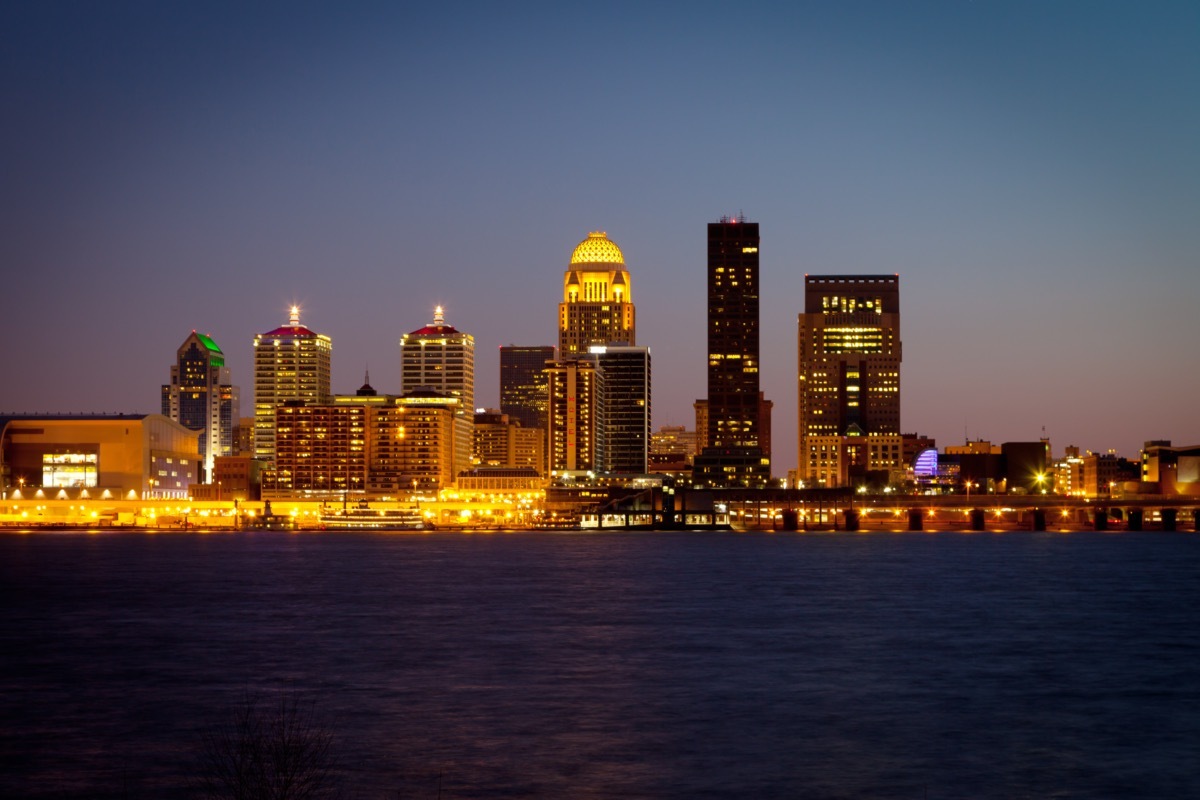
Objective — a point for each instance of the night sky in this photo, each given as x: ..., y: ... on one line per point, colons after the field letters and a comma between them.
x: 1031, y: 171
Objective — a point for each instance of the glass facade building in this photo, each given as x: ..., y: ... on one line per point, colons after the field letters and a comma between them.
x: 202, y: 398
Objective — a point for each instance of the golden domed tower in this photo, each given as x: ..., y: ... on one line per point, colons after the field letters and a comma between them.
x: 597, y: 306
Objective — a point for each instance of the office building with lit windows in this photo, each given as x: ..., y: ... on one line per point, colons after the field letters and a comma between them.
x: 597, y: 306
x: 523, y: 390
x: 626, y: 403
x: 733, y: 453
x: 202, y: 398
x: 849, y: 379
x: 366, y: 444
x: 320, y: 451
x: 523, y: 383
x: 575, y: 427
x: 501, y: 441
x: 440, y: 359
x: 432, y: 445
x: 291, y: 363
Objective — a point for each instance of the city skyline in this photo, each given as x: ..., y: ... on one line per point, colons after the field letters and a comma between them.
x: 1028, y: 170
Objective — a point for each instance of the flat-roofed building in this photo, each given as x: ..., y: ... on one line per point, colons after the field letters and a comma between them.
x: 1171, y: 470
x: 523, y: 388
x: 413, y: 441
x: 733, y: 454
x: 672, y: 448
x: 366, y: 444
x: 320, y: 451
x: 576, y: 415
x: 437, y: 438
x: 627, y: 408
x: 124, y: 456
x: 243, y: 437
x: 502, y: 480
x: 523, y: 383
x: 504, y: 442
x: 849, y: 377
x: 1101, y: 472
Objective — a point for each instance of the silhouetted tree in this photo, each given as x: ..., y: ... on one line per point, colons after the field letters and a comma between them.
x: 268, y: 751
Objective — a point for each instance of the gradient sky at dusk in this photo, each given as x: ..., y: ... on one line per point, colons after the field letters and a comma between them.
x: 1031, y: 171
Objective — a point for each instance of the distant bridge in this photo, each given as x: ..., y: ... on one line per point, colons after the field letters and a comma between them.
x: 810, y: 509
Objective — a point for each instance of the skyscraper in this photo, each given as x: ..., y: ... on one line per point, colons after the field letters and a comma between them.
x: 849, y: 377
x: 523, y: 383
x: 597, y: 306
x: 626, y: 403
x: 524, y: 393
x: 291, y: 363
x: 733, y: 456
x: 441, y: 359
x: 201, y: 397
x: 575, y: 427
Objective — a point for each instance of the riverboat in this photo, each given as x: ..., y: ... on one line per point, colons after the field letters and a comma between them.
x: 364, y: 517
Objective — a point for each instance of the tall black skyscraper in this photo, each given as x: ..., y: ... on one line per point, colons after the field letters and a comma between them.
x: 734, y: 456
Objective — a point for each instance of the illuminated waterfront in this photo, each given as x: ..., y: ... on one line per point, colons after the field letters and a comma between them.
x: 747, y: 510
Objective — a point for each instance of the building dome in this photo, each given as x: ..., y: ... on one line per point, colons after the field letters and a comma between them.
x: 597, y: 248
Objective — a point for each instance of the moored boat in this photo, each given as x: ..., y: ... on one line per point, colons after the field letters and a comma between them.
x: 365, y: 517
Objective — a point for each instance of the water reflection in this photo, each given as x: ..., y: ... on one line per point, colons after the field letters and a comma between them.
x: 614, y: 665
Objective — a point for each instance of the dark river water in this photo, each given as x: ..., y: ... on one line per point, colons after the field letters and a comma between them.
x: 667, y: 665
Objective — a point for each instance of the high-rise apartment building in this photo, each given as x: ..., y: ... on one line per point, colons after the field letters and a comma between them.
x: 410, y: 440
x: 365, y: 444
x: 439, y: 358
x: 849, y: 377
x: 597, y: 306
x: 202, y: 398
x: 320, y: 451
x: 733, y: 455
x: 291, y: 363
x: 523, y: 383
x: 575, y: 427
x: 626, y: 402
